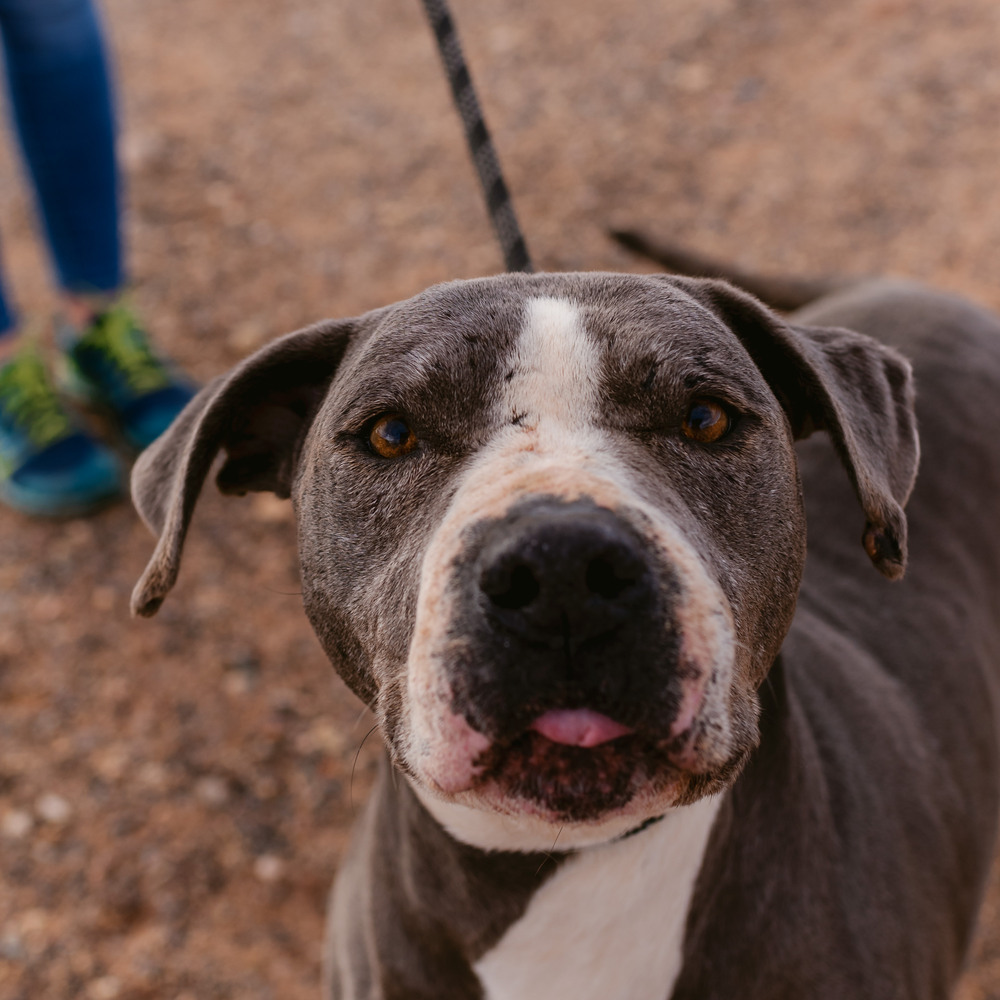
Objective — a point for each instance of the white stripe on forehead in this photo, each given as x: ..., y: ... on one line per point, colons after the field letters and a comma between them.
x: 556, y: 365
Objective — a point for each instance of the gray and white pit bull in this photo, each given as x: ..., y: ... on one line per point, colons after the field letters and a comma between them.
x: 640, y: 745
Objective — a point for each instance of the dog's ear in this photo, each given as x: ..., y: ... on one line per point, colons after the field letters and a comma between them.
x: 259, y: 414
x: 856, y: 389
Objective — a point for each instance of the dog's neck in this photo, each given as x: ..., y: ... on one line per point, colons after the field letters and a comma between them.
x: 612, y: 885
x: 617, y: 912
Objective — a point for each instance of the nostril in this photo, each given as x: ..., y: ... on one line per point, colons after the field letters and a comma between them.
x: 513, y: 590
x: 607, y: 580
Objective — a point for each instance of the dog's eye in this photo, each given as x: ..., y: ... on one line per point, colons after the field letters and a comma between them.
x: 706, y: 421
x: 391, y: 437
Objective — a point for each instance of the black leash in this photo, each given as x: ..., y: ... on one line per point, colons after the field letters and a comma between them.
x: 498, y: 200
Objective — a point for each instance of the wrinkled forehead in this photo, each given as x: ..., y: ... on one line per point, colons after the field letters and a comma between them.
x: 459, y: 346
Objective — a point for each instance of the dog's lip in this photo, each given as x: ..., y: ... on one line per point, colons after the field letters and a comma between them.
x: 579, y: 727
x: 567, y: 781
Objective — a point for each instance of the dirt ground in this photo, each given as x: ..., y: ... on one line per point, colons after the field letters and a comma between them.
x: 175, y: 794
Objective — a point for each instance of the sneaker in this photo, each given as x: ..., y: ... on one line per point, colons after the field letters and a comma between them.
x: 112, y: 365
x: 48, y: 464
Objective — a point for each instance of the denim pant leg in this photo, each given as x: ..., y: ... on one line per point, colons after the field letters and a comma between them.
x: 60, y: 92
x: 6, y: 316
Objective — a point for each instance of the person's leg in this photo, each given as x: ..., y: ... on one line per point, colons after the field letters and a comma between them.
x: 60, y: 90
x: 6, y: 321
x: 60, y: 99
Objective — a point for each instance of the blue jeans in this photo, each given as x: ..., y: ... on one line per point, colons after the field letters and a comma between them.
x: 60, y: 95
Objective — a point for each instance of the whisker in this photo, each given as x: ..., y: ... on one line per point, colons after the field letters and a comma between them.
x: 365, y: 709
x: 354, y: 766
x: 548, y: 853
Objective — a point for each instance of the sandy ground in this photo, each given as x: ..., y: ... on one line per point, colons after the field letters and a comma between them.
x: 175, y: 794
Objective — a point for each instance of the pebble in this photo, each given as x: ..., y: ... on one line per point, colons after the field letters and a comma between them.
x: 268, y: 868
x: 53, y: 808
x: 11, y: 946
x: 153, y: 776
x: 16, y: 824
x: 35, y: 921
x: 111, y: 763
x: 105, y: 988
x: 237, y: 682
x: 247, y: 336
x: 49, y: 608
x: 322, y: 737
x: 212, y: 790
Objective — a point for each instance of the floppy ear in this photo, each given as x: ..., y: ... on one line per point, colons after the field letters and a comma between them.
x: 853, y: 387
x: 259, y: 413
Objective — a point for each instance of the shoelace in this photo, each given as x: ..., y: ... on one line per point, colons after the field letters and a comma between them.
x: 118, y: 338
x: 29, y: 400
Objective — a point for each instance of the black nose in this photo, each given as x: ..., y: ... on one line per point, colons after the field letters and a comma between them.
x: 561, y: 573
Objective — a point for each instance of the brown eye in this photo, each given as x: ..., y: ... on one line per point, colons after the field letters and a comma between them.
x: 391, y: 437
x: 706, y: 421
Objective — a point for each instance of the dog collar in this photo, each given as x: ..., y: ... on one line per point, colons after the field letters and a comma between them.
x: 644, y: 825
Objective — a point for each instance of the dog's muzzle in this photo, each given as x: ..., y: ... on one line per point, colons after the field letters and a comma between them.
x: 570, y: 656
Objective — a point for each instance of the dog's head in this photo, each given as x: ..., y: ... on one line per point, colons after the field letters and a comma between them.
x: 550, y: 526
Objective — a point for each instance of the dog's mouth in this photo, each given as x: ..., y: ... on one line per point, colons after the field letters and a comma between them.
x: 575, y: 767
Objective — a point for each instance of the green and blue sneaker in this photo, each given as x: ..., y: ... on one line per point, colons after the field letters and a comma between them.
x: 112, y: 365
x: 48, y: 464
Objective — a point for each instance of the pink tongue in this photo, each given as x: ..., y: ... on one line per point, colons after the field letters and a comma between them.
x: 578, y: 727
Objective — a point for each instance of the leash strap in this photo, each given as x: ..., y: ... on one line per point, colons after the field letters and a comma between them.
x: 498, y: 200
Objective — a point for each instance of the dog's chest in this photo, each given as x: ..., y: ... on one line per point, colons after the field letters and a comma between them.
x: 610, y: 922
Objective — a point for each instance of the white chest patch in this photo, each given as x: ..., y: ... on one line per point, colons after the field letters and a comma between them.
x: 609, y: 925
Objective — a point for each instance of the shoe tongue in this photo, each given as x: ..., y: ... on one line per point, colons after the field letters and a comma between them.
x: 578, y: 727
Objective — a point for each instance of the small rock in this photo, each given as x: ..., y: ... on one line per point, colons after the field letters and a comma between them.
x: 322, y: 737
x: 48, y: 608
x: 212, y: 790
x: 105, y: 988
x: 153, y: 776
x: 247, y: 336
x: 34, y: 929
x: 16, y: 824
x: 237, y: 683
x: 694, y: 78
x: 34, y: 921
x: 269, y: 868
x: 53, y: 808
x: 12, y: 947
x: 139, y: 149
x: 111, y: 762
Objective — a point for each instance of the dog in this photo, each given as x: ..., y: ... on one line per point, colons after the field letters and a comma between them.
x: 643, y: 742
